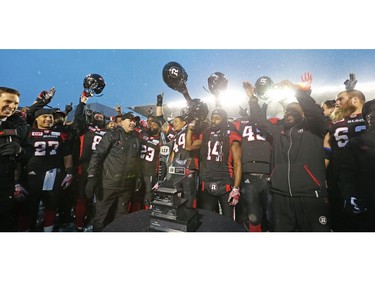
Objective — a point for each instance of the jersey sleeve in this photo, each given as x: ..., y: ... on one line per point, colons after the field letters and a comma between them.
x: 235, y: 136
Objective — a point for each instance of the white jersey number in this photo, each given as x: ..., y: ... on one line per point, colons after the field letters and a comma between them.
x: 147, y: 153
x: 248, y: 132
x: 215, y: 152
x: 341, y: 134
x: 41, y: 147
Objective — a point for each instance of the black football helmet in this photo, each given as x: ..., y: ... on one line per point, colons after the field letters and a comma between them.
x: 93, y: 84
x: 262, y: 85
x: 57, y: 111
x: 196, y: 110
x: 175, y: 76
x: 217, y: 82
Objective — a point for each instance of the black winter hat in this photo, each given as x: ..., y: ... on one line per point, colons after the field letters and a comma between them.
x: 43, y: 111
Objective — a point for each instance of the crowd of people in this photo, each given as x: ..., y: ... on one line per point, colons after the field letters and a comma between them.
x: 312, y: 170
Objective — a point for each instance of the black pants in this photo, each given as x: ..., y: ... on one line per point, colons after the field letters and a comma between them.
x: 254, y: 207
x: 49, y: 198
x: 110, y: 204
x: 7, y: 216
x: 210, y: 203
x: 303, y: 214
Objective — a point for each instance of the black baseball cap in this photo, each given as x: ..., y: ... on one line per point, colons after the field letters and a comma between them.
x: 130, y: 115
x: 43, y: 111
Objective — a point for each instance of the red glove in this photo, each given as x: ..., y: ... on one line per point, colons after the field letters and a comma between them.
x: 20, y: 193
x: 234, y: 196
x: 47, y: 96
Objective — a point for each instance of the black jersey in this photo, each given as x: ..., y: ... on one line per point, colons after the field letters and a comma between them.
x: 256, y: 147
x: 171, y: 133
x: 179, y: 151
x: 88, y: 142
x: 342, y: 131
x: 179, y: 141
x: 150, y: 150
x: 49, y: 147
x: 217, y: 160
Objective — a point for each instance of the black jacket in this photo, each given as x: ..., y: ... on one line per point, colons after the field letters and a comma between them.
x: 357, y: 175
x: 298, y: 154
x: 117, y: 156
x: 19, y: 135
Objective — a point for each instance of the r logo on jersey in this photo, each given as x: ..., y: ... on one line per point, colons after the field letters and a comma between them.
x: 323, y: 220
x: 213, y: 186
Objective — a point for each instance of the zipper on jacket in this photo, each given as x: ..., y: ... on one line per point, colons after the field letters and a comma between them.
x: 290, y: 147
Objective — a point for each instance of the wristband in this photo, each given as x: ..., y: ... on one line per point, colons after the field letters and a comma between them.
x: 327, y: 153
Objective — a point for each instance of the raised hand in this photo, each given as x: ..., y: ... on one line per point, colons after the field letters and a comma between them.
x: 351, y: 82
x: 118, y: 109
x: 306, y: 80
x: 249, y: 88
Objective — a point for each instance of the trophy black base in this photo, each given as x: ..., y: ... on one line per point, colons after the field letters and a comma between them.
x: 186, y: 221
x: 167, y: 196
x: 161, y: 209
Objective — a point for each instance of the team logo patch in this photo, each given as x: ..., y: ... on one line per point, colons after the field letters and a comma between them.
x: 164, y: 150
x: 323, y: 220
x: 174, y: 72
x: 37, y: 134
x: 213, y: 186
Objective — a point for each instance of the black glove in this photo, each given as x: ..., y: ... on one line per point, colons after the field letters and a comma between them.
x: 68, y: 108
x: 11, y: 149
x: 159, y: 100
x: 354, y: 206
x: 90, y: 187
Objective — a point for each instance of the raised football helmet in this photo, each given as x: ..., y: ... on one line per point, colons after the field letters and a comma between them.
x: 262, y: 85
x: 217, y: 82
x: 93, y: 84
x: 175, y: 76
x: 196, y: 109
